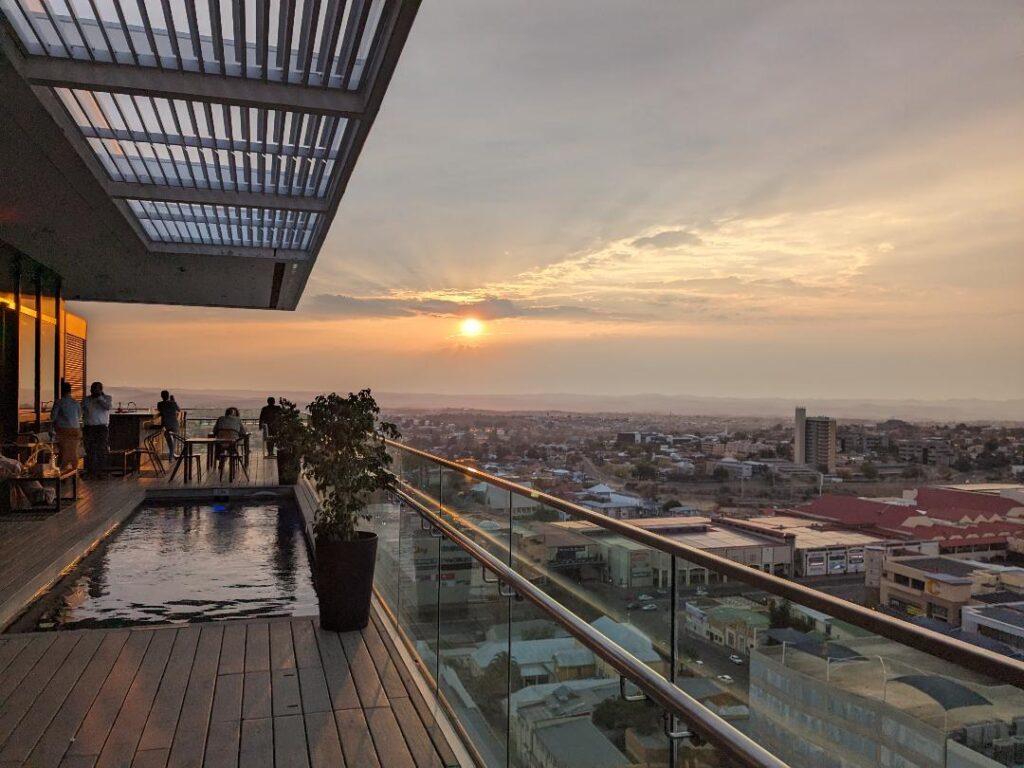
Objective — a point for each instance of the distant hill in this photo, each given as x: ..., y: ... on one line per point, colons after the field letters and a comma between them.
x: 683, y: 405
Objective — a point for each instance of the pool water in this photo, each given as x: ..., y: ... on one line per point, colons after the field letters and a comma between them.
x: 190, y: 563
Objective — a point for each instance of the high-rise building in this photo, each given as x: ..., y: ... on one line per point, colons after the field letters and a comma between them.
x: 799, y: 434
x: 814, y: 441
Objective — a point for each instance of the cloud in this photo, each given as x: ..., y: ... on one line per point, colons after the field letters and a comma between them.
x: 672, y: 238
x: 488, y: 308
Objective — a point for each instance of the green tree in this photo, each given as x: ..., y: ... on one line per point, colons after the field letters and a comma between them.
x: 869, y: 470
x: 615, y: 714
x: 645, y: 471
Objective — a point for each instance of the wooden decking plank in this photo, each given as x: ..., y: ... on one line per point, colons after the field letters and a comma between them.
x: 340, y: 683
x: 304, y: 637
x: 425, y: 711
x: 322, y: 738
x: 282, y: 654
x: 54, y: 741
x: 285, y: 692
x: 386, y: 668
x: 387, y: 736
x: 120, y: 746
x: 313, y: 687
x: 11, y: 648
x: 256, y: 749
x: 368, y: 685
x: 222, y: 744
x: 256, y: 697
x: 20, y: 742
x: 421, y: 746
x: 24, y: 696
x: 232, y: 654
x: 356, y: 742
x: 190, y: 736
x: 159, y: 731
x: 23, y: 664
x: 290, y: 742
x: 78, y: 761
x: 227, y: 698
x: 257, y: 647
x: 150, y: 758
x: 98, y: 722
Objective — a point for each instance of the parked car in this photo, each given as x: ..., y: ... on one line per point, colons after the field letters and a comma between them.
x: 736, y: 659
x: 649, y: 607
x: 661, y: 592
x: 632, y: 606
x: 644, y: 596
x: 727, y: 679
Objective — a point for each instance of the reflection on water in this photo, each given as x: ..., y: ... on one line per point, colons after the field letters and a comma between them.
x: 193, y: 563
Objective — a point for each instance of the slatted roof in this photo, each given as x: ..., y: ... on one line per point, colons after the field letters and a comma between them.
x: 215, y: 126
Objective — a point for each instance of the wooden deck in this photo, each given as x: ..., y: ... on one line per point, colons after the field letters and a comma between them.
x: 274, y: 693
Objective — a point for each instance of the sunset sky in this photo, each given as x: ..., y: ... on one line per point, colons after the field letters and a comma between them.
x: 798, y: 199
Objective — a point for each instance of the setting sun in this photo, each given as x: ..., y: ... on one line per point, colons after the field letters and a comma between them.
x: 471, y: 327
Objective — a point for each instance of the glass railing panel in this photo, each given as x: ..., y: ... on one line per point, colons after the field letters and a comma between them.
x: 473, y: 641
x: 565, y: 705
x: 420, y: 476
x: 385, y: 521
x: 816, y: 690
x: 620, y: 587
x: 479, y: 509
x: 419, y: 557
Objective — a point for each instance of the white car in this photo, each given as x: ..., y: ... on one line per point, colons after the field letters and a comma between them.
x: 727, y: 679
x: 735, y: 659
x: 644, y: 596
x: 649, y: 607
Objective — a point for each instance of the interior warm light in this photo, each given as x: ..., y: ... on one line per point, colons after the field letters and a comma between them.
x: 471, y: 327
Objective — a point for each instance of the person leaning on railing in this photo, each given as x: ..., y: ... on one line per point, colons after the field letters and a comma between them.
x: 66, y: 417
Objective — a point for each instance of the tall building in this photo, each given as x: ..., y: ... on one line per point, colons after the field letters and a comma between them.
x: 814, y: 441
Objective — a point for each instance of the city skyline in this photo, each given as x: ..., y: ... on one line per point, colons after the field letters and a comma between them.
x: 730, y: 201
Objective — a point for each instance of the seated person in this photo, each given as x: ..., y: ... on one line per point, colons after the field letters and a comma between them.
x: 228, y: 429
x: 229, y: 426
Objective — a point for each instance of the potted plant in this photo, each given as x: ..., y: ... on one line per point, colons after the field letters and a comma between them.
x: 290, y: 437
x: 346, y: 458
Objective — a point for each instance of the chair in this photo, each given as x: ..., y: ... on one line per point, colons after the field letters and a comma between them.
x: 231, y: 449
x: 151, y: 447
x: 181, y: 450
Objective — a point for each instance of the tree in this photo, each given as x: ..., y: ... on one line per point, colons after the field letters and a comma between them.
x: 869, y: 470
x: 781, y: 615
x: 346, y: 457
x: 645, y: 471
x: 720, y: 474
x: 615, y: 714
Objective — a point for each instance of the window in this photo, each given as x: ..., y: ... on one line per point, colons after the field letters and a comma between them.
x: 26, y: 367
x: 916, y: 584
x: 900, y: 579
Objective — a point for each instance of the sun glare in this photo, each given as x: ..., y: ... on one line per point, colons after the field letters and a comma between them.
x: 471, y: 327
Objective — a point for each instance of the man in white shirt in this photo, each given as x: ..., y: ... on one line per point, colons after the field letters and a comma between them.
x: 96, y: 429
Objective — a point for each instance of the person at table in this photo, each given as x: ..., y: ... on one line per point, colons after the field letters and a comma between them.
x: 66, y: 417
x: 270, y: 414
x: 168, y: 411
x: 228, y: 429
x: 96, y: 430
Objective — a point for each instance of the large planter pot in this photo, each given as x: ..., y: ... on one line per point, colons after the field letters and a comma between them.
x: 287, y: 468
x: 344, y: 581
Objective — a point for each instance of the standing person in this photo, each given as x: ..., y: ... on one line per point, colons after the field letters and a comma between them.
x: 67, y: 421
x: 168, y: 410
x: 270, y: 414
x: 96, y: 416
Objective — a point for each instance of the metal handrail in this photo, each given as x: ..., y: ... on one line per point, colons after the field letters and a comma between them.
x: 659, y: 689
x: 957, y: 652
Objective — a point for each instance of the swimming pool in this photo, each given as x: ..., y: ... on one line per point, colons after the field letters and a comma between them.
x: 187, y: 563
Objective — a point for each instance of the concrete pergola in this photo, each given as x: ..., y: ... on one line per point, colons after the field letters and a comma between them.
x: 186, y: 152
